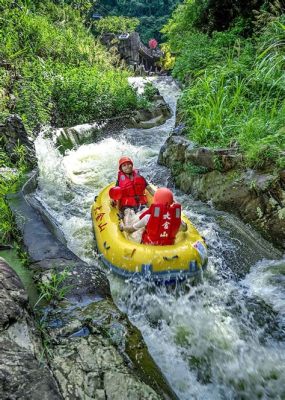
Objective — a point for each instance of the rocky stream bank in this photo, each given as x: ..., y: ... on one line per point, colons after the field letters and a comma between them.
x: 217, y: 176
x: 78, y: 345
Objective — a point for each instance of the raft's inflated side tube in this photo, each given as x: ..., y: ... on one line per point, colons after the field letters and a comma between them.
x: 186, y: 258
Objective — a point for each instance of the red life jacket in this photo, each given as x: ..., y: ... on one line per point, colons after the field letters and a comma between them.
x: 132, y: 189
x: 163, y: 224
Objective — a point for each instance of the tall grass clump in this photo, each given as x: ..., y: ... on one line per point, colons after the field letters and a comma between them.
x: 53, y: 289
x: 234, y: 88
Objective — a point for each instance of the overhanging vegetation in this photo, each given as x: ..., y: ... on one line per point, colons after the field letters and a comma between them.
x: 233, y: 76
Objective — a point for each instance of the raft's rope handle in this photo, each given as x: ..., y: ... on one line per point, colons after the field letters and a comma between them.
x: 170, y: 258
x: 106, y: 246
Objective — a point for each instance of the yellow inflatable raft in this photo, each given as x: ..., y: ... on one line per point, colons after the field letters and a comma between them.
x: 186, y: 258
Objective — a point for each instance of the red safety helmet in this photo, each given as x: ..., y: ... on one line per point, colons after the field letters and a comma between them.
x: 115, y: 193
x: 125, y: 159
x: 163, y: 196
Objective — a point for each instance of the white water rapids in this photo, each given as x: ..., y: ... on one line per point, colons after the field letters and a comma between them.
x: 223, y: 339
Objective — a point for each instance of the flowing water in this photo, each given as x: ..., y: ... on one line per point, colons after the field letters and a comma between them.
x: 222, y: 339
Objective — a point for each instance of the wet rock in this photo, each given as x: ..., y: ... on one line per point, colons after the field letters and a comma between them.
x: 180, y: 149
x: 174, y: 150
x: 91, y: 341
x: 256, y: 197
x: 179, y: 129
x: 37, y: 239
x: 22, y: 374
x: 68, y: 137
x: 96, y: 350
x: 213, y: 159
x: 118, y: 387
x: 86, y: 368
x: 85, y: 281
x: 155, y: 115
x: 13, y: 297
x: 156, y: 121
x: 14, y: 133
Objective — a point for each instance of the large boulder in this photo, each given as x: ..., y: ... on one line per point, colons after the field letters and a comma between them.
x: 23, y: 374
x: 154, y: 115
x: 221, y: 159
x: 90, y: 339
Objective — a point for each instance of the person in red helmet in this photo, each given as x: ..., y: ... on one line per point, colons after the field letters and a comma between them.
x: 132, y: 184
x: 161, y: 221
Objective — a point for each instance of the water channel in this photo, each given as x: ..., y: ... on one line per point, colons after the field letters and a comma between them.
x: 222, y: 339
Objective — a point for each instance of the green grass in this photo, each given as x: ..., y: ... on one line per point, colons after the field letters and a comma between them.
x: 234, y: 88
x: 55, y: 71
x: 90, y: 94
x: 53, y: 289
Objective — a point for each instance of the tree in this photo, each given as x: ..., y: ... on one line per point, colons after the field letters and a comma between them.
x: 152, y: 14
x: 115, y: 24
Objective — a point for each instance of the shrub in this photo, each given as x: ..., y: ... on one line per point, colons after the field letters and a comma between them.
x: 149, y: 91
x: 56, y: 71
x: 34, y: 93
x: 115, y: 24
x: 235, y: 87
x: 83, y: 94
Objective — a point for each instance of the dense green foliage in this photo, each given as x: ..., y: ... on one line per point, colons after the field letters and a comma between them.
x: 116, y: 24
x: 152, y: 14
x: 96, y: 94
x: 218, y: 15
x: 234, y: 84
x: 52, y: 69
x: 9, y: 182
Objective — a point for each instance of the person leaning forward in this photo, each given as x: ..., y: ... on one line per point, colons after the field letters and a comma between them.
x: 161, y: 221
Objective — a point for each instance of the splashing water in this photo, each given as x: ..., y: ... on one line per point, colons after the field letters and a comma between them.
x: 267, y: 280
x: 221, y: 340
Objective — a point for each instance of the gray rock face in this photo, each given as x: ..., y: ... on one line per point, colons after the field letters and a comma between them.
x: 13, y: 297
x: 13, y: 133
x: 155, y: 115
x: 94, y: 351
x: 88, y: 354
x: 22, y: 374
x: 177, y: 148
x: 257, y: 198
